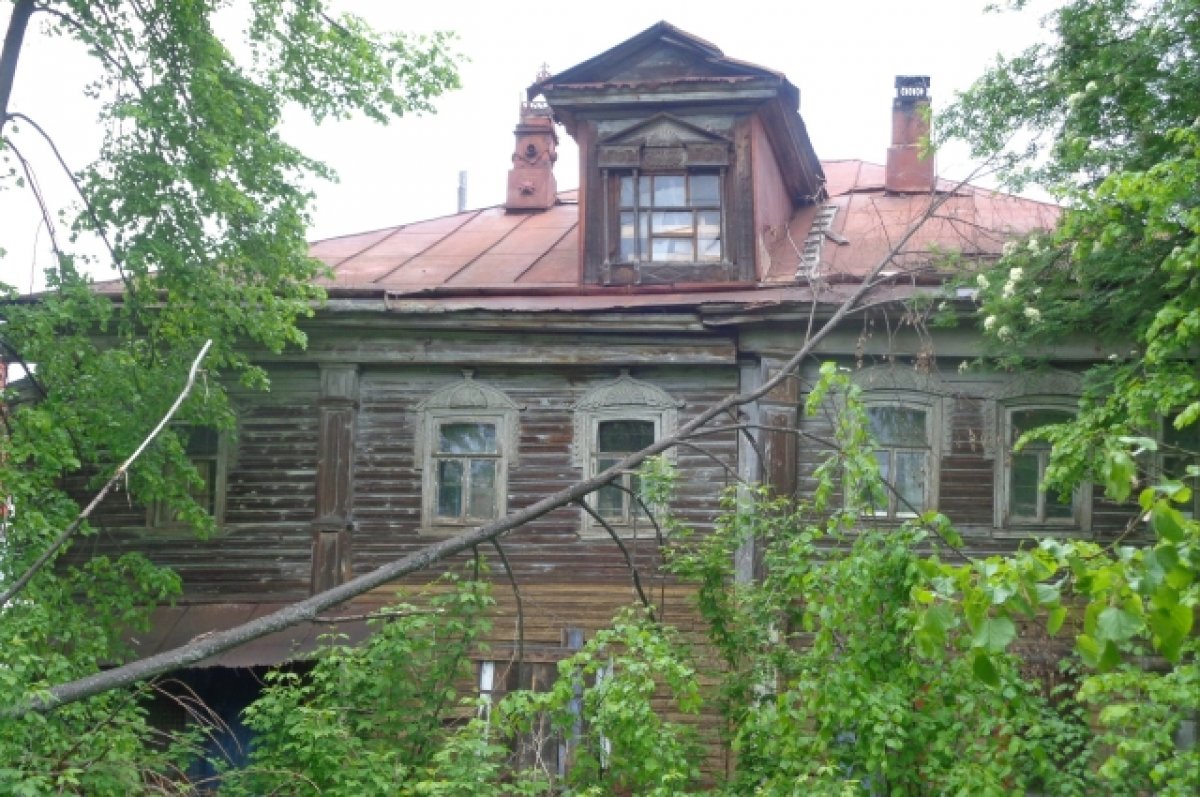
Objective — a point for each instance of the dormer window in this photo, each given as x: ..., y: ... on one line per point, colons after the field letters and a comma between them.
x: 669, y: 218
x: 666, y: 204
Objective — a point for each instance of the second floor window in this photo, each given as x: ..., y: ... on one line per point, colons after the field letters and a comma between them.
x: 902, y: 448
x: 467, y: 462
x: 669, y: 218
x: 616, y: 440
x: 1027, y: 499
x: 202, y: 446
x: 466, y: 440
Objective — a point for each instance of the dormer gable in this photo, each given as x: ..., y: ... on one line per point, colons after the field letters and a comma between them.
x: 686, y: 155
x: 660, y: 53
x: 663, y: 140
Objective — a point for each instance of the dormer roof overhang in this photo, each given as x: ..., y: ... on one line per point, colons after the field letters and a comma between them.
x: 669, y: 68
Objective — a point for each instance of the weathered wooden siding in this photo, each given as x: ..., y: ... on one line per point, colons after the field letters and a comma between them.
x: 969, y: 453
x: 387, y: 503
x: 264, y: 548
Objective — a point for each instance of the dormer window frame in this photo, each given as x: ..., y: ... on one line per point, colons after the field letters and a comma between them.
x: 664, y: 146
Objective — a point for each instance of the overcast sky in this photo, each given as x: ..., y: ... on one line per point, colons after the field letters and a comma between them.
x: 842, y: 55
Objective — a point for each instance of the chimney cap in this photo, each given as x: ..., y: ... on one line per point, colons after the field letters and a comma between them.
x: 912, y: 88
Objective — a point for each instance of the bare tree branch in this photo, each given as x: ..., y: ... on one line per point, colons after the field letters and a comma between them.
x: 512, y: 579
x: 97, y: 227
x: 637, y: 579
x: 121, y: 470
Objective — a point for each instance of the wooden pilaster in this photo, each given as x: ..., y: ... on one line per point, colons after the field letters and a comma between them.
x: 332, y: 553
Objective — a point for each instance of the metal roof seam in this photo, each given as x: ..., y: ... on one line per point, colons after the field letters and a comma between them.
x: 483, y: 252
x: 410, y: 258
x: 549, y: 249
x: 395, y: 231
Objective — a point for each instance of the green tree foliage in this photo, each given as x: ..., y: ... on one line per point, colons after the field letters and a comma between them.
x: 371, y: 719
x: 1108, y: 115
x: 201, y: 207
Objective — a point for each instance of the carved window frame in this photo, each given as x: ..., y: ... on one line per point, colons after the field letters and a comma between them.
x: 1080, y: 518
x: 623, y: 399
x: 935, y: 440
x: 640, y: 152
x: 464, y: 401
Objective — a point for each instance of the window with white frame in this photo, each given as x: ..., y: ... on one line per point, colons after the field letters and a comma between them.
x: 204, y: 447
x: 616, y: 439
x: 612, y: 421
x: 466, y: 440
x: 903, y: 433
x: 1023, y: 496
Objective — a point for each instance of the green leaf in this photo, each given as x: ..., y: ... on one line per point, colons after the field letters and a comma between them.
x: 1117, y: 624
x: 1110, y: 657
x: 1047, y: 594
x: 1055, y: 619
x: 994, y: 634
x: 985, y: 669
x: 1167, y: 522
x: 1088, y: 649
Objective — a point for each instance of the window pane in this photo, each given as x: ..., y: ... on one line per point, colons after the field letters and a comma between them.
x: 627, y: 192
x: 910, y: 481
x: 709, y: 223
x: 610, y: 499
x: 1055, y: 508
x: 1025, y: 420
x: 879, y: 503
x: 201, y: 441
x: 610, y: 503
x: 483, y: 488
x: 623, y: 437
x: 206, y: 494
x: 628, y: 251
x: 670, y: 190
x: 1023, y: 489
x: 449, y: 488
x: 898, y: 426
x: 706, y: 190
x: 672, y: 249
x: 467, y: 438
x: 708, y: 235
x: 643, y: 184
x: 672, y: 223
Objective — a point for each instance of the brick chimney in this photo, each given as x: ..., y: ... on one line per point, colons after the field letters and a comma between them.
x: 907, y: 172
x: 531, y: 184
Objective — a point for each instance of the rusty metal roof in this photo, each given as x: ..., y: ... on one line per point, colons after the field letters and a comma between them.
x: 491, y: 259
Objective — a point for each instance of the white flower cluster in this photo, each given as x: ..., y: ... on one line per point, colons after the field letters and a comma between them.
x: 1010, y: 287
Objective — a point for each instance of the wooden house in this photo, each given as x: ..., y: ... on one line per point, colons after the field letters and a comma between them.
x: 467, y: 365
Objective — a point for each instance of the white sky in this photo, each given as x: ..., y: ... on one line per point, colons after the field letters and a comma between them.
x: 842, y: 55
